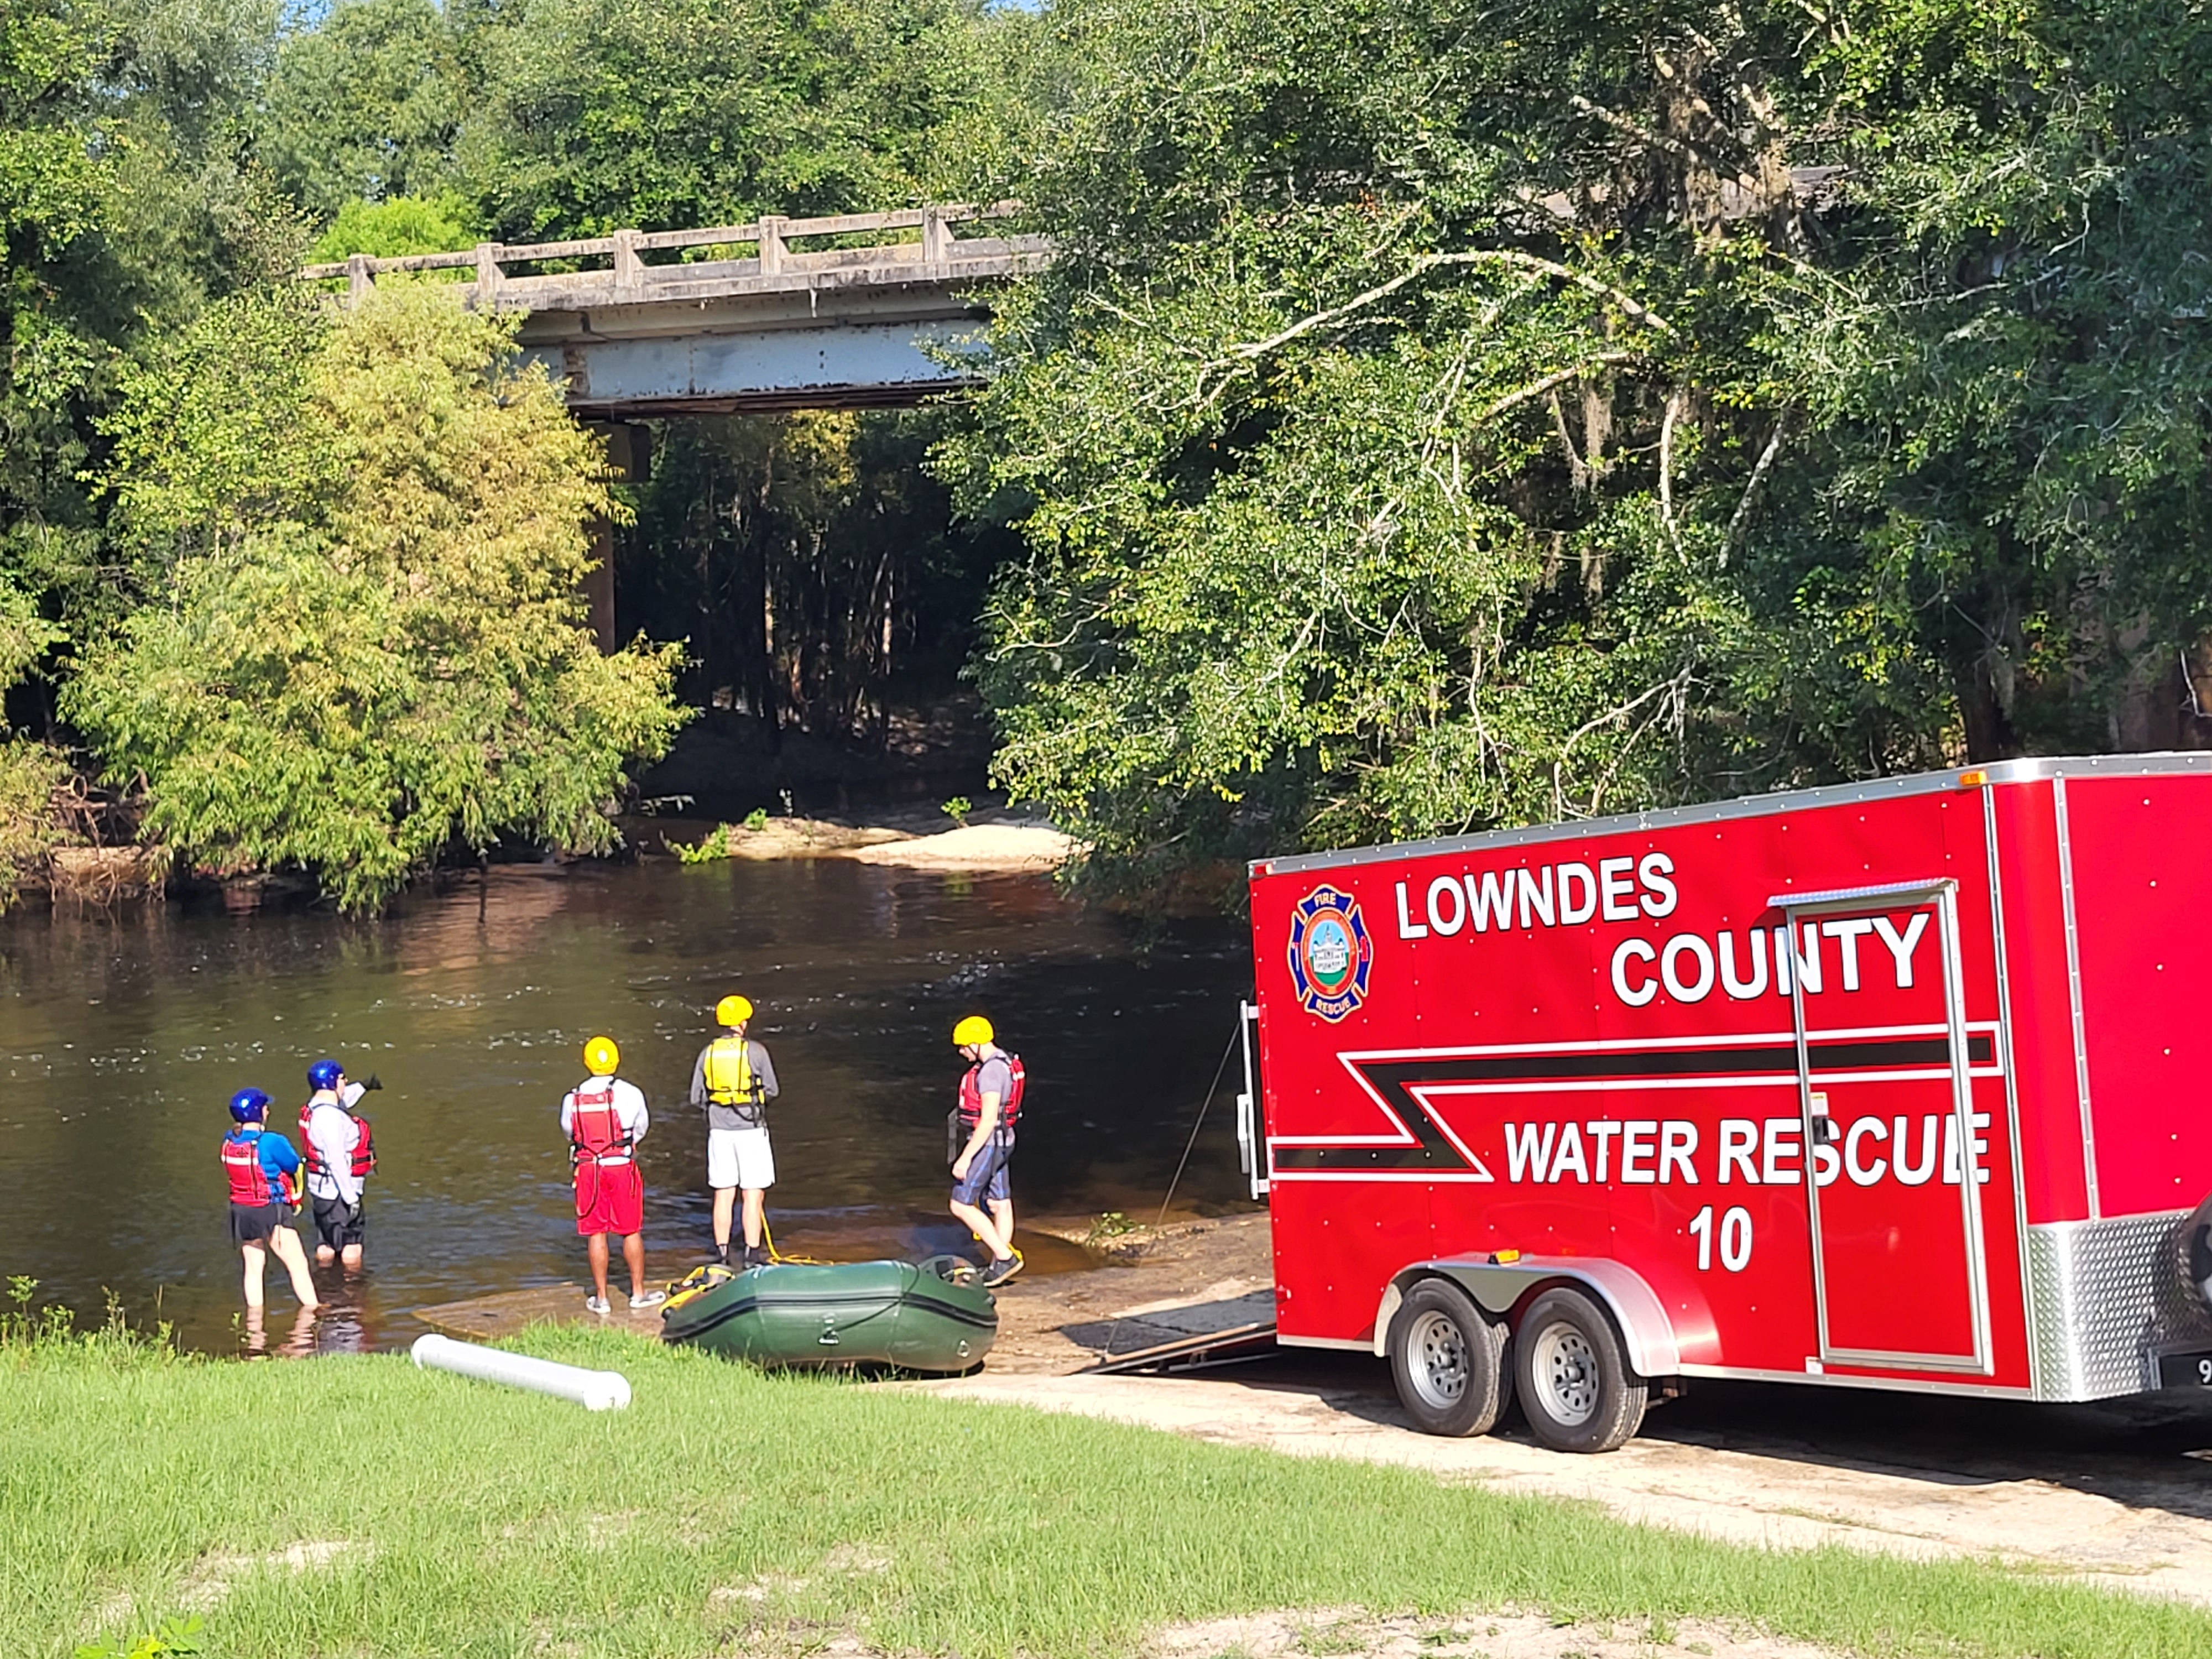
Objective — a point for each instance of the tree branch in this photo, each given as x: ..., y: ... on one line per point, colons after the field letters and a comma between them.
x: 1667, y: 468
x: 1538, y: 388
x: 1637, y: 310
x: 1757, y: 472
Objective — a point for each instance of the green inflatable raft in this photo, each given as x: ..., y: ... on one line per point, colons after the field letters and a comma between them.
x: 931, y: 1316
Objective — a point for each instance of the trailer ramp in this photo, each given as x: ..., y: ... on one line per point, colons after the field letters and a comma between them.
x: 1238, y: 1346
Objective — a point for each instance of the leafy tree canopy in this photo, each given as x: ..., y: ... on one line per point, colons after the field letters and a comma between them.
x: 397, y: 226
x: 366, y: 102
x: 1433, y: 424
x: 370, y: 643
x: 602, y: 114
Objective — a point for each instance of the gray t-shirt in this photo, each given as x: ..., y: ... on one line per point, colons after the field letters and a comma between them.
x: 997, y: 1077
x: 730, y: 1117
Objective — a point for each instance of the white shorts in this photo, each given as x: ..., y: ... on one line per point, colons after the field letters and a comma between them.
x: 739, y: 1157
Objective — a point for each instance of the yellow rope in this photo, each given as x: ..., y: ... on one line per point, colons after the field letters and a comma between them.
x: 778, y: 1259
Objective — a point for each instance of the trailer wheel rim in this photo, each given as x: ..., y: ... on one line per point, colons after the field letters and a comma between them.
x: 1566, y: 1375
x: 1436, y: 1349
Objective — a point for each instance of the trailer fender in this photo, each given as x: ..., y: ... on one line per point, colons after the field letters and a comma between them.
x: 1500, y: 1287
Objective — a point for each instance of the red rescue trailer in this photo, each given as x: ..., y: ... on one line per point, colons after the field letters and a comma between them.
x: 1899, y: 1085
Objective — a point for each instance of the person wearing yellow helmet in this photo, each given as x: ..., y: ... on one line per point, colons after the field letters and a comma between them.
x: 604, y: 1118
x: 734, y: 1079
x: 980, y: 1134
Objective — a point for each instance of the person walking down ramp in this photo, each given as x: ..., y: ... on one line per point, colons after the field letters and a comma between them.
x: 335, y: 1140
x: 262, y: 1169
x: 982, y: 1128
x: 605, y: 1118
x: 734, y: 1080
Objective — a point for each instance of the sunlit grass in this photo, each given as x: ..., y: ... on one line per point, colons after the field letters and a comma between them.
x: 729, y: 1512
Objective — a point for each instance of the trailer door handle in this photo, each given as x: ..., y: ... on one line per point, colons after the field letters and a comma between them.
x: 1824, y: 1130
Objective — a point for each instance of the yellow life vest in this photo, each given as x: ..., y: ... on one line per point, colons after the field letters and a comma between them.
x: 730, y: 1080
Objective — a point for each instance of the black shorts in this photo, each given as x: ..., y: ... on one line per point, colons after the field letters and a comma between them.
x: 252, y: 1224
x: 338, y: 1223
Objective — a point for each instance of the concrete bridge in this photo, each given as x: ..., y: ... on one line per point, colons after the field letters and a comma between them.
x: 838, y: 312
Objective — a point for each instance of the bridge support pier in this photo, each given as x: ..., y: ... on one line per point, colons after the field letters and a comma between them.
x: 628, y: 449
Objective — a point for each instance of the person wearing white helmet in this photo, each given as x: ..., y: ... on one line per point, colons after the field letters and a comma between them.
x: 980, y: 1135
x: 734, y: 1079
x: 604, y: 1118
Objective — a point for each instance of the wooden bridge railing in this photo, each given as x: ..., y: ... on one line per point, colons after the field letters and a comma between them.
x: 771, y: 236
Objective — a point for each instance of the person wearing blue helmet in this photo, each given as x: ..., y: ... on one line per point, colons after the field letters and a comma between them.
x: 335, y: 1140
x: 262, y: 1169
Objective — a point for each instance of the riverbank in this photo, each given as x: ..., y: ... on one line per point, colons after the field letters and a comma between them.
x: 995, y: 841
x: 726, y: 1511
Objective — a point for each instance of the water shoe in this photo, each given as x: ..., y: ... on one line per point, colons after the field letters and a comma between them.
x: 597, y: 1304
x: 648, y: 1298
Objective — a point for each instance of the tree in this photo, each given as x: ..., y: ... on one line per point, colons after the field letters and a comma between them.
x: 599, y: 114
x: 370, y: 643
x: 1428, y: 427
x: 394, y: 227
x: 365, y: 103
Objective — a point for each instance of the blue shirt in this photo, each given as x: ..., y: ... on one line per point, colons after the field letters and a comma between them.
x: 278, y: 1159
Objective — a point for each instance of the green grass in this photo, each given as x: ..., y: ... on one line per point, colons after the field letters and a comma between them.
x: 503, y: 1523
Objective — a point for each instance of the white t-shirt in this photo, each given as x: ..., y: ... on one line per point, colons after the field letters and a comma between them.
x: 333, y: 1132
x: 629, y: 1111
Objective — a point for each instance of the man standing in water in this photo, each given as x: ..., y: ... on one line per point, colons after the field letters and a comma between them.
x: 339, y: 1158
x: 734, y: 1080
x: 604, y: 1118
x: 262, y: 1168
x: 990, y: 1103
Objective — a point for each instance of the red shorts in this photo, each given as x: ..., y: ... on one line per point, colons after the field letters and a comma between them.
x: 610, y: 1199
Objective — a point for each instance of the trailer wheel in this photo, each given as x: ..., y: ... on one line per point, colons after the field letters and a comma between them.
x: 1448, y: 1361
x: 2197, y: 1252
x: 1576, y: 1388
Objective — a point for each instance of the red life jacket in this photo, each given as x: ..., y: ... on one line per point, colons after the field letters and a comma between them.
x: 249, y: 1182
x: 596, y: 1135
x: 1010, y: 1109
x: 364, y: 1155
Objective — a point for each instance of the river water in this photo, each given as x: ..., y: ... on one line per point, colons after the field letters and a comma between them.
x: 123, y: 1036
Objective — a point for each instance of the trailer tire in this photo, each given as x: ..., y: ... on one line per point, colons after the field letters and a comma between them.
x: 1449, y: 1361
x: 1576, y: 1388
x: 2196, y: 1252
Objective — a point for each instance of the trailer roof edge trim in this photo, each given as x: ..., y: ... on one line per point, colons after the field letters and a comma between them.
x: 1946, y: 781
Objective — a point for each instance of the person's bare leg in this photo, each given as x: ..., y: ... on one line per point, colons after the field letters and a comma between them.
x: 286, y: 1243
x: 756, y: 1212
x: 257, y: 1262
x: 983, y: 1227
x: 324, y: 1255
x: 726, y: 1204
x: 596, y: 1247
x: 634, y: 1258
x: 351, y: 1258
x: 1002, y: 1213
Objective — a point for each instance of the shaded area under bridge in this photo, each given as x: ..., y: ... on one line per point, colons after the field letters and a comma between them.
x: 743, y: 319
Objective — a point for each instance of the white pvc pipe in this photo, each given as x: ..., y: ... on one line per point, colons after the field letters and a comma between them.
x: 598, y: 1391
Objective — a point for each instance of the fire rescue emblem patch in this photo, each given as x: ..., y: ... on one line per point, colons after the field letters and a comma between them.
x: 1331, y: 953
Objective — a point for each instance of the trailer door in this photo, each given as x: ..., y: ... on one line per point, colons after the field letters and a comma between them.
x: 1892, y: 1181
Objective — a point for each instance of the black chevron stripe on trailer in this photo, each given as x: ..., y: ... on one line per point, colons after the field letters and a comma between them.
x: 1394, y: 1081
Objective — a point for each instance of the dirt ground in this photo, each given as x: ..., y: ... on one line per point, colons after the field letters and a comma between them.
x: 2117, y: 1494
x: 1305, y: 1632
x: 1503, y: 1635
